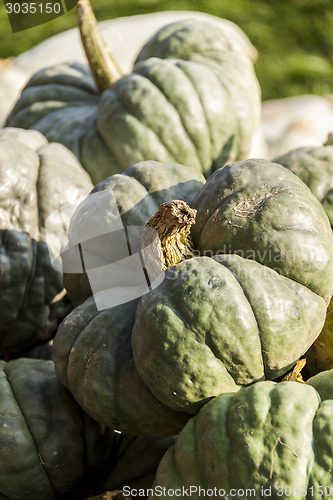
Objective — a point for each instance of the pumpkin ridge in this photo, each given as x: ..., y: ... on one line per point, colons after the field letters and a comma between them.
x: 172, y: 106
x: 216, y: 68
x: 28, y: 427
x: 180, y: 66
x: 183, y: 69
x: 77, y: 71
x: 170, y: 102
x: 60, y: 91
x: 74, y: 104
x: 46, y: 116
x: 29, y: 281
x: 47, y: 122
x: 83, y: 138
x: 75, y: 341
x: 253, y: 312
x: 224, y: 362
x: 119, y: 155
x: 34, y: 245
x: 82, y: 135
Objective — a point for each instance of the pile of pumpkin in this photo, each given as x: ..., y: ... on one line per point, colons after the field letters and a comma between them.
x: 200, y: 369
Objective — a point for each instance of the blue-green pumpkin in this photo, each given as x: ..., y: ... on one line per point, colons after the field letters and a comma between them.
x: 192, y: 98
x: 37, y: 178
x: 244, y: 307
x: 314, y: 165
x: 267, y: 440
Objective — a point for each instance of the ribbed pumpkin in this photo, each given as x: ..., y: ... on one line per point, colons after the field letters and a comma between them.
x: 138, y: 193
x: 48, y: 446
x: 192, y: 98
x: 245, y: 313
x: 37, y: 177
x: 314, y: 165
x: 267, y: 440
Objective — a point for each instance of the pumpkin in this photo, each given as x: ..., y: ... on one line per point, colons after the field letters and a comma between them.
x: 236, y: 317
x: 192, y: 98
x: 244, y: 309
x: 266, y: 440
x: 48, y: 446
x: 37, y: 178
x: 138, y: 193
x: 314, y: 165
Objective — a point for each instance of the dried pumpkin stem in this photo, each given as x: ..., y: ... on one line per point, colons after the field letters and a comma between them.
x: 172, y: 224
x: 103, y: 67
x: 295, y: 375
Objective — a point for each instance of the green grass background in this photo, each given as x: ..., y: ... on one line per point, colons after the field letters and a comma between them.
x: 294, y: 38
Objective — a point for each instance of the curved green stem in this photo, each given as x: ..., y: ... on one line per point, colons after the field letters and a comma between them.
x: 103, y: 67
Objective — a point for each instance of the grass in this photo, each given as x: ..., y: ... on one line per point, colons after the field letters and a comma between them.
x: 294, y: 38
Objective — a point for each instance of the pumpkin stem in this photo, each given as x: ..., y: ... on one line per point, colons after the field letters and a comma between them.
x: 172, y: 223
x: 103, y: 67
x: 296, y: 375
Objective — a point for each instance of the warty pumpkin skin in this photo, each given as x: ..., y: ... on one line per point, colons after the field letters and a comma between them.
x: 314, y: 165
x: 48, y: 446
x: 37, y: 177
x: 275, y: 439
x: 192, y: 98
x: 214, y: 323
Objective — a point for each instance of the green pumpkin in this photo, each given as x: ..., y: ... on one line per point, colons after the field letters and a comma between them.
x: 192, y: 98
x: 252, y: 309
x: 243, y: 314
x: 138, y: 192
x: 267, y: 440
x: 314, y: 165
x: 48, y: 446
x: 37, y: 178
